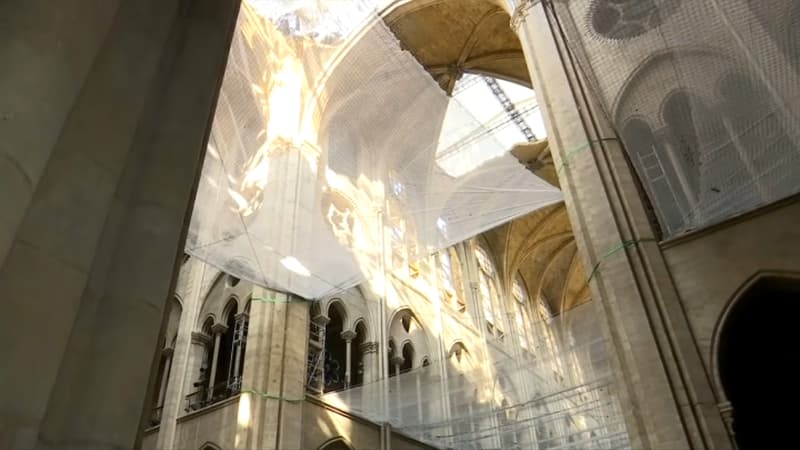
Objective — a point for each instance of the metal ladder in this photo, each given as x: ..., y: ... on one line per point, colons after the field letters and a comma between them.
x: 316, y: 363
x: 509, y: 107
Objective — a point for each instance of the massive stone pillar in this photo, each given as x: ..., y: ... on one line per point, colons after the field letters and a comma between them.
x: 664, y: 391
x: 47, y: 51
x: 371, y: 370
x: 273, y: 383
x: 104, y: 108
x: 188, y: 354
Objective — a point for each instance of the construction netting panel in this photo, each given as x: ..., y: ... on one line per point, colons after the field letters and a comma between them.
x: 560, y: 394
x: 705, y: 95
x: 334, y: 157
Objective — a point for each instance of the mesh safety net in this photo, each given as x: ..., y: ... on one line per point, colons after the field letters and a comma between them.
x: 333, y: 152
x: 558, y: 395
x: 704, y: 95
x: 336, y: 160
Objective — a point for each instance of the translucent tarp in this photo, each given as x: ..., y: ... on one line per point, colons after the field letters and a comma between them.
x: 561, y: 394
x: 333, y: 154
x: 705, y: 95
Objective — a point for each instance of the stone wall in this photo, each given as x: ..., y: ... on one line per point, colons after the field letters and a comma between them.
x: 712, y: 267
x: 215, y: 424
x: 322, y: 423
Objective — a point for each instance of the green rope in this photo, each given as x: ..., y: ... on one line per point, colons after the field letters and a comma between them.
x: 272, y: 397
x: 618, y: 248
x: 569, y: 153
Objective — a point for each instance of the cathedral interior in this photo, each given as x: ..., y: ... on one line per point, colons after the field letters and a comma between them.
x: 399, y: 224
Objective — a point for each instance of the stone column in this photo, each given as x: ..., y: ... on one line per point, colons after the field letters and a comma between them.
x: 418, y: 383
x: 198, y: 366
x: 397, y: 361
x: 39, y: 85
x: 371, y: 390
x: 370, y: 351
x: 665, y: 393
x: 273, y: 386
x: 110, y: 107
x: 218, y: 329
x: 348, y: 336
x: 190, y: 348
x: 162, y: 391
x: 397, y: 401
x: 726, y: 411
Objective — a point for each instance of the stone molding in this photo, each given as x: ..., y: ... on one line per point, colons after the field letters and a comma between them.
x: 521, y: 12
x: 369, y: 347
x: 201, y: 338
x: 321, y: 320
x: 398, y: 360
x: 348, y: 335
x: 219, y: 328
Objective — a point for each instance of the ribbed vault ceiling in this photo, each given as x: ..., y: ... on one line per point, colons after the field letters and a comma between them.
x: 541, y: 245
x: 450, y: 37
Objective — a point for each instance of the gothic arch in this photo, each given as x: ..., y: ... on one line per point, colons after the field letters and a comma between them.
x: 399, y: 336
x: 754, y: 358
x: 740, y: 293
x: 457, y: 345
x: 656, y: 65
x: 231, y: 306
x: 337, y: 443
x: 339, y: 305
x: 361, y: 322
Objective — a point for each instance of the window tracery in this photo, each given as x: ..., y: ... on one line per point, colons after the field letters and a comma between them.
x: 490, y: 298
x: 450, y: 279
x: 625, y: 19
x: 521, y: 319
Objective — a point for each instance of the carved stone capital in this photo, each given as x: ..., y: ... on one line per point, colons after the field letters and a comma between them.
x: 369, y: 347
x: 397, y: 360
x: 168, y: 351
x: 726, y: 411
x: 201, y: 338
x: 219, y: 328
x: 348, y: 335
x: 520, y: 12
x: 321, y: 320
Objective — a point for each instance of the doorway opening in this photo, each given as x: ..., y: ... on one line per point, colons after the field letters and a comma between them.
x: 757, y: 355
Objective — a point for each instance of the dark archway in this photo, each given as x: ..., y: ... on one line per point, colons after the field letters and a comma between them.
x: 357, y: 358
x: 408, y: 358
x: 757, y: 358
x: 335, y: 356
x: 336, y: 444
x: 225, y: 355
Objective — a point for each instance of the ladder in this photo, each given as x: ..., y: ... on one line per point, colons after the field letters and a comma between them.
x: 316, y: 376
x: 509, y: 107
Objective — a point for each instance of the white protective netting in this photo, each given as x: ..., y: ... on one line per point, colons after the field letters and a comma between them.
x: 332, y: 150
x: 705, y: 95
x: 334, y: 160
x: 559, y: 395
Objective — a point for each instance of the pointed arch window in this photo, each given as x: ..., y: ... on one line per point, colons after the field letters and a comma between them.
x: 489, y: 295
x: 521, y: 319
x: 451, y: 280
